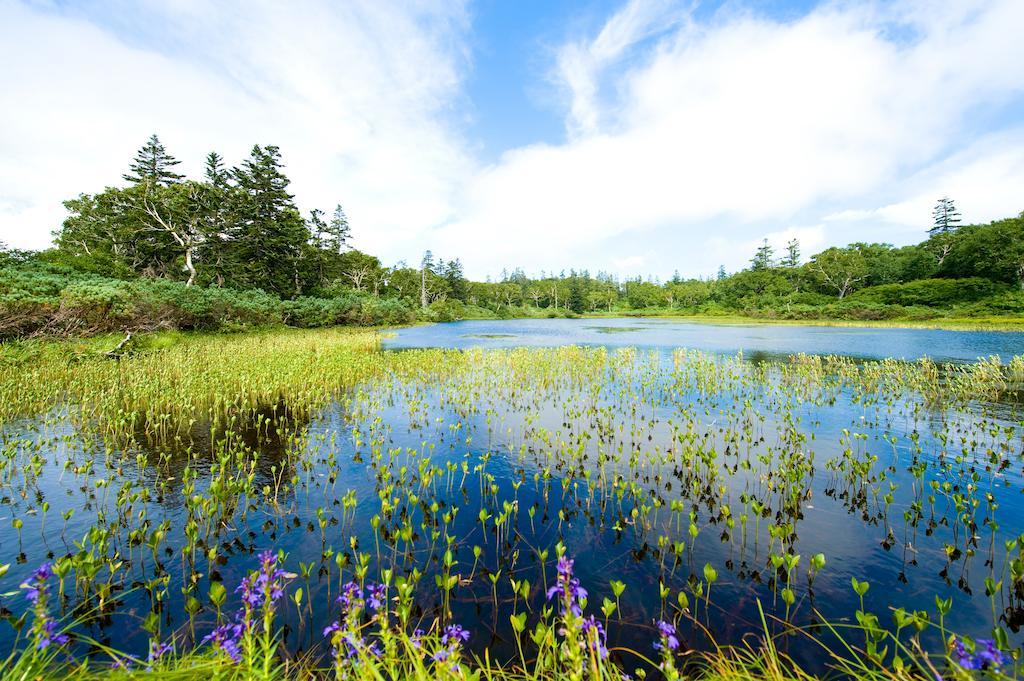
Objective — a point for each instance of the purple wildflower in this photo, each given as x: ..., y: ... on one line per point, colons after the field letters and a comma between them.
x: 352, y: 645
x: 35, y: 585
x: 48, y: 634
x: 667, y: 632
x: 158, y: 650
x: 417, y: 638
x: 351, y: 596
x: 264, y: 586
x: 376, y: 596
x: 596, y: 641
x: 227, y: 637
x: 453, y: 633
x: 44, y: 627
x: 986, y: 655
x: 567, y: 588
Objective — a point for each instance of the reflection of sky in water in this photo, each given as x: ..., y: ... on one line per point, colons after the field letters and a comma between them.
x: 853, y: 547
x: 877, y: 343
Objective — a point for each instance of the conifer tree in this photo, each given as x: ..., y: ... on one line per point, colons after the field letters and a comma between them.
x: 457, y: 285
x: 792, y: 257
x: 762, y: 260
x: 427, y: 265
x: 216, y: 174
x: 946, y: 218
x: 338, y: 231
x: 153, y: 164
x: 267, y: 229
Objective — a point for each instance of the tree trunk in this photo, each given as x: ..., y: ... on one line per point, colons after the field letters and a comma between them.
x: 190, y: 266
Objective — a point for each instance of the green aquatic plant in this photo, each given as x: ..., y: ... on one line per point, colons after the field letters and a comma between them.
x: 174, y: 467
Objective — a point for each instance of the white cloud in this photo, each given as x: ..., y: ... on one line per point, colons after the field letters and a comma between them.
x: 630, y: 265
x: 687, y: 141
x: 732, y: 129
x: 984, y: 179
x: 580, y: 63
x: 355, y: 94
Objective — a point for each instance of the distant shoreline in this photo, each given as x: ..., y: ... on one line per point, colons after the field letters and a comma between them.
x: 1003, y: 324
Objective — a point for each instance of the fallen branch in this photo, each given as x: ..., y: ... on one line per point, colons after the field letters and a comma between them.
x: 118, y: 351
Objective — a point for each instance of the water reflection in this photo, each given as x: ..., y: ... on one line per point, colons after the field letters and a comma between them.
x: 646, y: 466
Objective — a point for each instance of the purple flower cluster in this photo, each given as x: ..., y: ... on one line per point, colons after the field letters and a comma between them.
x: 228, y: 638
x: 985, y: 656
x: 264, y: 586
x: 260, y: 590
x: 350, y: 642
x: 35, y: 586
x: 48, y: 634
x: 596, y: 638
x: 37, y: 592
x: 667, y: 636
x: 376, y: 596
x: 352, y: 598
x: 158, y: 650
x: 567, y: 589
x: 453, y: 637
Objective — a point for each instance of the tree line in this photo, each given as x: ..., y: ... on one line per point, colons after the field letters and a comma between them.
x: 239, y: 228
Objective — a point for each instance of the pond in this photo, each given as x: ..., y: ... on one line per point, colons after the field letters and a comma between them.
x: 754, y: 340
x: 712, y: 485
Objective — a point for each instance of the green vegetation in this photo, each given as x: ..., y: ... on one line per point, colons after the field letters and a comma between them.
x: 463, y: 483
x: 233, y: 251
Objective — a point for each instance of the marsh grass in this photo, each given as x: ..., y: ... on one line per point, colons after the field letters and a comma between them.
x: 182, y: 453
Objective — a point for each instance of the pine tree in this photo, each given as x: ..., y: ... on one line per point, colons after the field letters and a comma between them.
x: 577, y: 303
x: 338, y: 231
x: 457, y: 287
x: 946, y: 218
x: 792, y: 258
x: 427, y: 265
x: 216, y: 174
x: 762, y: 260
x: 267, y: 229
x: 153, y: 164
x: 721, y: 273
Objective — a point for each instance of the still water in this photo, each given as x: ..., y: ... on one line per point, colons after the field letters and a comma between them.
x: 649, y: 465
x: 754, y: 340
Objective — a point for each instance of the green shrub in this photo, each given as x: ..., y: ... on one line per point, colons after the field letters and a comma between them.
x: 36, y: 296
x: 447, y: 310
x: 930, y: 292
x: 97, y: 305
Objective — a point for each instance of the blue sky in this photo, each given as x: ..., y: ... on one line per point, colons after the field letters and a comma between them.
x: 511, y: 98
x: 630, y: 136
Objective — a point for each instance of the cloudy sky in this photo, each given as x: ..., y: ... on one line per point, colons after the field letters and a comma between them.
x: 643, y: 136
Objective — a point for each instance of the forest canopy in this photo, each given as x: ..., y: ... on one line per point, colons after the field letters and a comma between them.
x: 233, y: 248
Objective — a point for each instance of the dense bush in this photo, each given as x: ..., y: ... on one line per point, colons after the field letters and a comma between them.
x: 447, y: 310
x: 1003, y: 304
x: 52, y: 299
x: 930, y: 292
